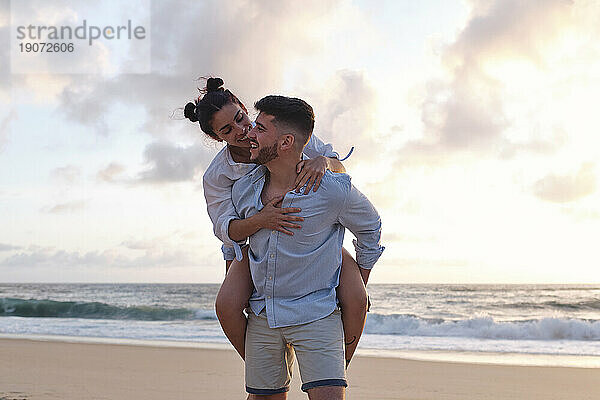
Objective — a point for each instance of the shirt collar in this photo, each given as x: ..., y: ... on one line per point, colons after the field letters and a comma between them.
x: 258, y: 173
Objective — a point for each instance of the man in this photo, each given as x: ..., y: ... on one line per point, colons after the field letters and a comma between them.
x: 294, y: 301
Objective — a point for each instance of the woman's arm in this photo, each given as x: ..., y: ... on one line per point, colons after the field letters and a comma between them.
x: 335, y: 165
x: 312, y: 171
x: 270, y: 217
x: 322, y: 158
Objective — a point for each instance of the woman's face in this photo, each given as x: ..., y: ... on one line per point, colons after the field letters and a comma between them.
x: 231, y: 124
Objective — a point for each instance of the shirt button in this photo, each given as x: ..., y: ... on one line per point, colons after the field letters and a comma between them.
x: 268, y: 297
x: 270, y: 277
x: 272, y: 255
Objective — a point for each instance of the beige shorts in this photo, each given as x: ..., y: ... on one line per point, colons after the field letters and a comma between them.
x: 318, y: 345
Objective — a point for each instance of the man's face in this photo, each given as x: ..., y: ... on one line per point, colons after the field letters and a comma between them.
x: 263, y: 140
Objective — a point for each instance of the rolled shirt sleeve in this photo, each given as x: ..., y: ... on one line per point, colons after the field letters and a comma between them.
x: 228, y: 243
x: 228, y: 253
x: 360, y: 217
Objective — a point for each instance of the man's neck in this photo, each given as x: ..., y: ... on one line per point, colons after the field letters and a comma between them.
x: 239, y: 154
x: 282, y: 172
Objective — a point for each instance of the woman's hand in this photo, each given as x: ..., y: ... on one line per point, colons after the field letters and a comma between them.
x: 311, y: 171
x: 278, y: 219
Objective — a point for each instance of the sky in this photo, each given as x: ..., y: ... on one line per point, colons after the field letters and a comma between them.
x: 474, y: 123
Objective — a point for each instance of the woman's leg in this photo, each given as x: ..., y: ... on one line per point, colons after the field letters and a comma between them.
x: 231, y: 301
x: 353, y: 301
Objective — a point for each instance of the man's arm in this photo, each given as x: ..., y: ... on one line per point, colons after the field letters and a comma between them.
x: 360, y: 217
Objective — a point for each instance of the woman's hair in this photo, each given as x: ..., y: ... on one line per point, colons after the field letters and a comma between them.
x: 204, y: 107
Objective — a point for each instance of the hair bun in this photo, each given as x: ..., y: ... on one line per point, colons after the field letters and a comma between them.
x: 190, y: 112
x: 214, y: 84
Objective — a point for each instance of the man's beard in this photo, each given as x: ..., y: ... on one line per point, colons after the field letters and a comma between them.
x: 266, y: 154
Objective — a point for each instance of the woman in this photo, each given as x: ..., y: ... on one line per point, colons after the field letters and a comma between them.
x: 224, y: 118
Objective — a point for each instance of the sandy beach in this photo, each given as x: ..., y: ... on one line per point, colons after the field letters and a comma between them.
x: 36, y: 370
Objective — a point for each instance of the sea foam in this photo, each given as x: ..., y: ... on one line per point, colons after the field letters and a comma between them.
x: 484, y: 328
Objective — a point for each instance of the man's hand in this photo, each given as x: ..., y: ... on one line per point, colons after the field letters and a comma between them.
x: 278, y: 219
x: 311, y: 171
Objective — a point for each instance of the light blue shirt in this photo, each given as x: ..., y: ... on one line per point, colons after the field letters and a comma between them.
x: 295, y: 276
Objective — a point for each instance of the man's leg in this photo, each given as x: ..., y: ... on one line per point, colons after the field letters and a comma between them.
x: 319, y: 348
x: 327, y: 393
x: 268, y: 360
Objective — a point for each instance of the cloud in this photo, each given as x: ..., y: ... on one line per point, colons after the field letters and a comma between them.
x: 153, y: 256
x: 566, y: 188
x: 139, y: 244
x: 223, y: 44
x: 509, y: 28
x: 68, y: 207
x: 192, y: 39
x: 8, y: 247
x: 581, y: 215
x: 197, y: 39
x: 5, y: 127
x: 464, y: 113
x: 67, y: 174
x: 84, y: 59
x: 541, y: 146
x: 427, y: 262
x: 171, y: 240
x: 5, y: 51
x: 36, y: 81
x: 172, y: 163
x: 8, y: 113
x: 45, y: 257
x: 344, y: 114
x: 110, y: 172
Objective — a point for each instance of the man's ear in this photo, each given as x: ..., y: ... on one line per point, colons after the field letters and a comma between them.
x: 288, y: 141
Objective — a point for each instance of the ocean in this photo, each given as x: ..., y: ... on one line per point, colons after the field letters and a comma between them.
x: 517, y: 324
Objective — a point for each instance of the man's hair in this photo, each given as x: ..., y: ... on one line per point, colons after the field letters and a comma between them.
x: 290, y: 113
